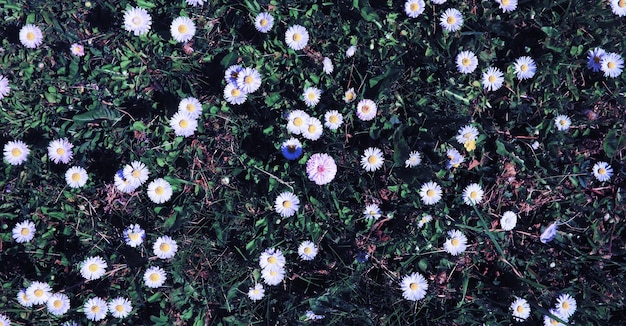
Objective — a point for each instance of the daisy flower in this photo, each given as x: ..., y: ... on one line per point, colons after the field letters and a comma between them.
x: 508, y: 221
x: 562, y: 122
x: 366, y: 110
x: 414, y: 8
x: 311, y: 96
x: 154, y: 277
x: 58, y: 304
x: 195, y: 3
x: 296, y: 37
x: 602, y: 171
x: 4, y: 87
x: 327, y: 66
x: 430, y: 192
x: 165, y: 247
x: 466, y: 134
x: 507, y: 5
x: 372, y: 159
x: 321, y: 168
x: 415, y: 158
x: 438, y: 2
x: 272, y: 257
x: 525, y: 67
x: 454, y: 158
x: 183, y: 29
x: 565, y: 305
x: 183, y: 124
x: 291, y: 149
x: 16, y: 152
x: 77, y: 49
x: 248, y: 80
x: 76, y: 177
x: 414, y: 287
x: 38, y: 292
x: 123, y: 184
x: 137, y: 20
x: 349, y: 95
x: 4, y: 320
x: 134, y: 235
x: 296, y: 121
x: 192, y: 106
x: 120, y: 307
x: 24, y: 231
x: 451, y: 20
x: 611, y: 65
x: 351, y: 51
x: 310, y: 315
x: 548, y: 321
x: 232, y: 73
x: 618, y: 7
x: 60, y: 150
x: 493, y: 79
x: 136, y: 173
x: 425, y: 219
x: 286, y: 204
x: 333, y: 119
x: 307, y: 250
x: 257, y: 292
x: 159, y: 191
x: 313, y: 129
x: 263, y: 22
x: 95, y: 309
x: 520, y: 309
x: 234, y: 95
x: 456, y: 243
x: 466, y: 62
x: 31, y: 36
x: 594, y: 57
x: 473, y: 194
x: 93, y: 268
x: 23, y: 298
x: 371, y: 211
x: 273, y: 275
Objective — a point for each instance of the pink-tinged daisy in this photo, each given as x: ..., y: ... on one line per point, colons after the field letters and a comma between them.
x: 366, y: 110
x: 321, y: 168
x: 296, y: 37
x: 77, y: 49
x: 60, y: 150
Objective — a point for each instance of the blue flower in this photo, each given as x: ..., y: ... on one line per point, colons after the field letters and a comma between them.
x: 362, y: 257
x: 549, y: 233
x: 291, y: 149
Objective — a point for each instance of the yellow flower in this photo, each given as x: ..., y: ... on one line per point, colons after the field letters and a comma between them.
x: 470, y: 145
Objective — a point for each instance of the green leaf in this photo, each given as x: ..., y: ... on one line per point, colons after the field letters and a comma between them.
x: 612, y: 143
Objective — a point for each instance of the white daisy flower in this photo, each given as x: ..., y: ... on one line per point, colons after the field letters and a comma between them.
x: 286, y: 204
x: 120, y: 307
x: 4, y: 87
x: 473, y: 194
x: 165, y: 247
x: 134, y: 235
x: 372, y: 159
x: 438, y: 2
x: 454, y: 158
x: 566, y: 305
x: 192, y: 106
x: 456, y: 243
x: 611, y: 65
x: 327, y: 66
x: 4, y: 320
x: 414, y: 287
x: 349, y: 95
x: 159, y: 191
x: 123, y: 184
x: 520, y: 309
x: 31, y: 36
x: 310, y: 315
x: 351, y: 51
x: 257, y: 292
x: 466, y: 133
x: 307, y: 250
x: 58, y: 304
x: 136, y: 173
x: 76, y: 177
x: 618, y: 7
x: 137, y: 20
x: 493, y: 79
x: 366, y: 110
x: 562, y: 122
x: 311, y: 96
x: 60, y: 150
x: 234, y: 95
x: 548, y: 321
x: 424, y: 220
x: 93, y: 268
x: 154, y: 277
x: 95, y: 309
x: 507, y: 5
x: 451, y: 20
x: 466, y: 62
x: 313, y: 129
x: 602, y: 171
x: 183, y: 29
x: 430, y: 192
x: 24, y: 232
x: 525, y: 67
x: 16, y: 152
x: 414, y: 8
x: 415, y: 158
x: 333, y: 119
x: 249, y: 80
x: 263, y: 22
x: 297, y: 37
x: 297, y: 121
x: 38, y: 292
x: 372, y: 211
x: 272, y: 257
x: 195, y: 3
x: 23, y: 298
x: 273, y: 275
x: 183, y: 124
x: 508, y: 221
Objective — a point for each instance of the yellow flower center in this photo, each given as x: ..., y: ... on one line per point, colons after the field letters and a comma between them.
x: 308, y: 250
x: 562, y: 122
x: 25, y: 231
x: 451, y: 20
x: 165, y: 247
x: 136, y: 173
x: 601, y: 171
x: 182, y: 28
x: 311, y: 96
x: 60, y: 151
x: 159, y: 190
x: 271, y: 260
x: 296, y: 37
x: 312, y: 129
x: 473, y: 195
x: 136, y: 20
x: 372, y: 159
x: 349, y: 96
x: 119, y: 308
x: 154, y: 277
x: 235, y: 92
x: 183, y: 123
x: 75, y: 176
x: 190, y: 107
x: 492, y: 78
x: 414, y: 286
x: 333, y: 119
x: 263, y: 22
x: 622, y: 3
x: 553, y: 322
x: 248, y: 80
x: 273, y: 273
x: 38, y: 293
x: 414, y: 6
x: 133, y: 236
x: 611, y: 65
x: 505, y: 2
x: 298, y: 122
x: 95, y: 309
x: 467, y: 135
x: 93, y: 268
x: 256, y: 291
x: 520, y: 309
x: 455, y: 242
x: 57, y: 303
x: 365, y: 108
x: 16, y: 152
x: 430, y: 193
x: 465, y: 62
x: 30, y: 36
x: 287, y: 204
x: 565, y: 305
x: 523, y: 67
